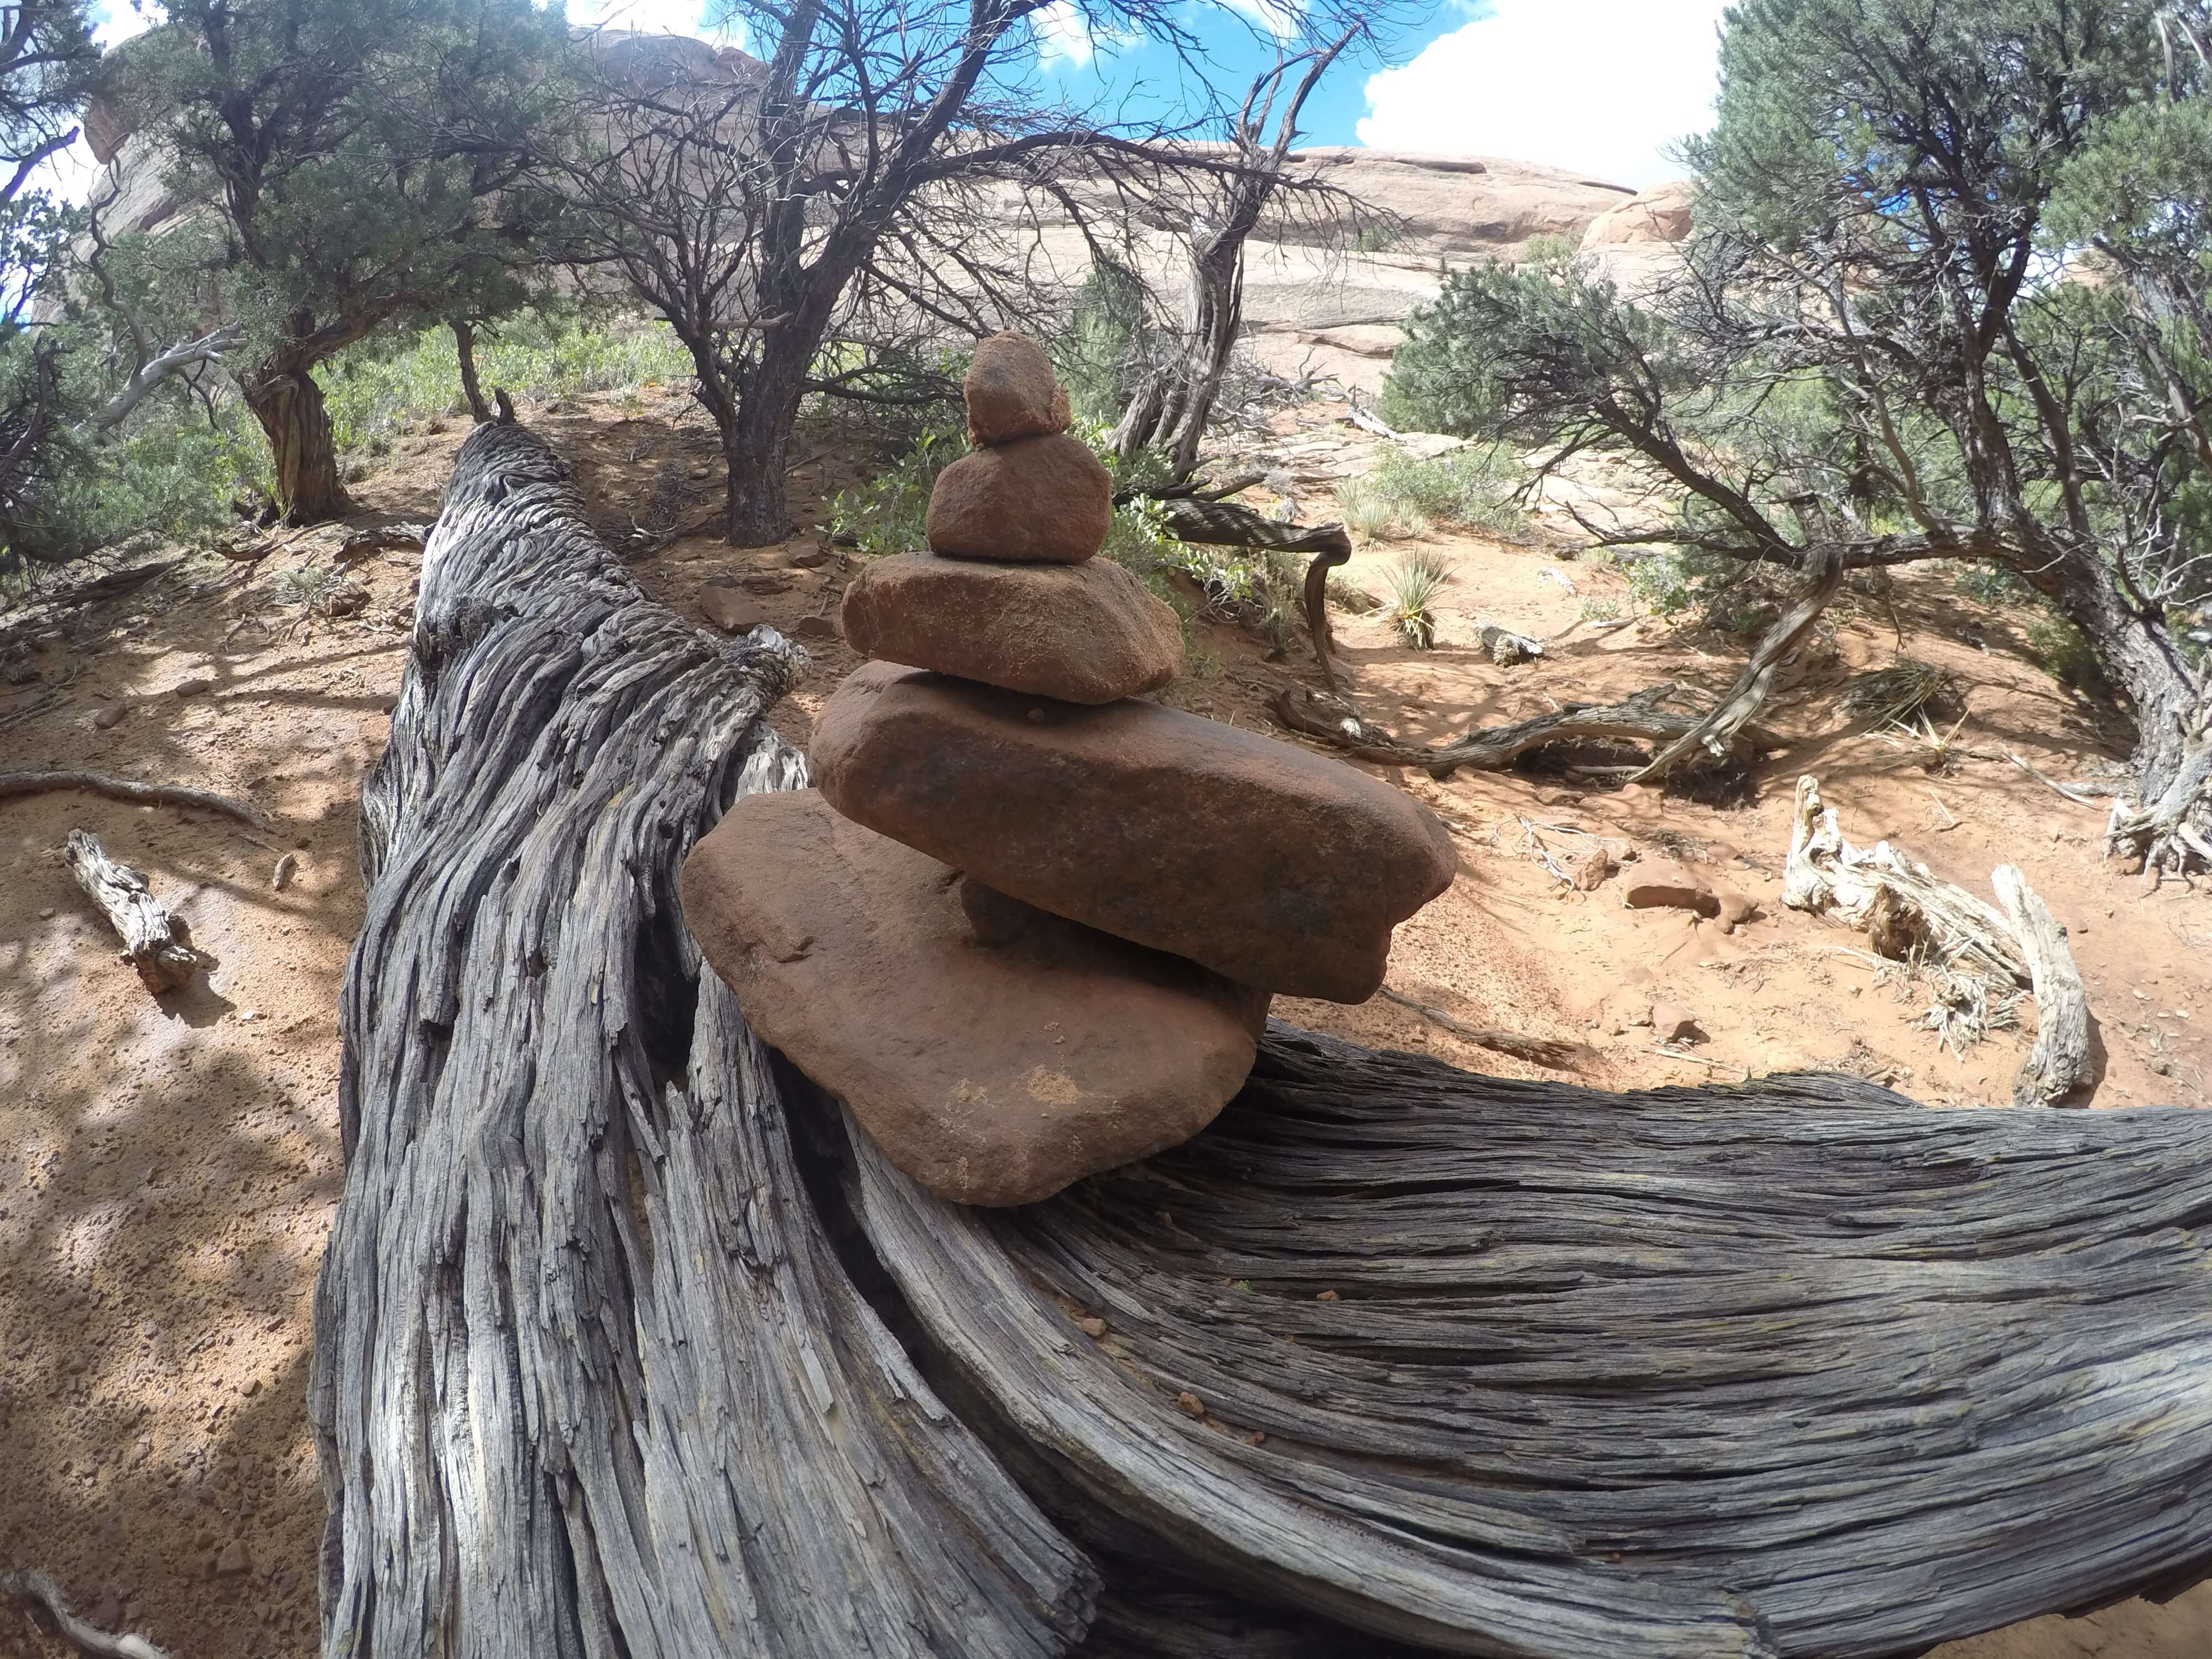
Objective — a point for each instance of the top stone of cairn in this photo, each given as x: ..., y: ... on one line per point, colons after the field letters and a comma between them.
x: 1011, y: 393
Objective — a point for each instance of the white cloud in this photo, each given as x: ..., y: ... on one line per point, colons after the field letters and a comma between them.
x: 1063, y: 36
x: 1281, y: 18
x: 1596, y: 86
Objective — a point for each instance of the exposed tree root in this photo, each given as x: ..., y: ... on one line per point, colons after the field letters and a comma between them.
x: 37, y: 1590
x: 1537, y: 1051
x: 1638, y: 719
x: 143, y: 794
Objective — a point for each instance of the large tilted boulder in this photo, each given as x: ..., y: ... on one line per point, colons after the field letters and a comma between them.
x: 1045, y: 498
x: 1085, y: 633
x: 993, y: 1069
x: 1265, y: 863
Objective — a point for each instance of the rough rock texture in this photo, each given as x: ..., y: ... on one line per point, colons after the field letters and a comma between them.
x: 1036, y: 498
x: 991, y: 1073
x: 1011, y: 392
x: 1660, y: 214
x: 1084, y: 633
x: 1272, y: 865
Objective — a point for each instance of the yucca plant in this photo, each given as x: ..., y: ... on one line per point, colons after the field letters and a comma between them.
x: 1415, y: 582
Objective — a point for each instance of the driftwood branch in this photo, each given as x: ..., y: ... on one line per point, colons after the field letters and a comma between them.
x: 2059, y: 1062
x: 1911, y: 915
x: 1718, y: 730
x: 626, y: 1343
x: 37, y: 1590
x: 154, y: 941
x: 589, y: 1376
x: 187, y: 354
x: 1537, y: 1051
x: 143, y: 794
x: 1637, y: 720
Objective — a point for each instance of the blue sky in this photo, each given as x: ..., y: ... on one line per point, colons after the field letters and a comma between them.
x: 1601, y: 87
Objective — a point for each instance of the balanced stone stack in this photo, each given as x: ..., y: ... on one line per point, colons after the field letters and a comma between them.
x: 1027, y: 926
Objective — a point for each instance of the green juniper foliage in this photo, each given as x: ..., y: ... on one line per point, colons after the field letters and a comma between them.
x: 1880, y: 353
x: 358, y: 157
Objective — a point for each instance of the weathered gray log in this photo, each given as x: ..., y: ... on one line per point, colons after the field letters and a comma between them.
x: 2059, y: 1064
x: 589, y: 1378
x: 622, y: 1335
x: 130, y: 789
x: 1799, y: 1368
x: 154, y: 941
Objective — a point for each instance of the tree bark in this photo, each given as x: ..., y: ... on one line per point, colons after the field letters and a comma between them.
x: 465, y: 350
x: 289, y: 404
x: 627, y: 1343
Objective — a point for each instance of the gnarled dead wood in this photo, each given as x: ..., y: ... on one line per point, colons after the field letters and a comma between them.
x: 1689, y: 1373
x: 36, y: 1589
x: 1396, y: 1354
x: 589, y: 1376
x: 1637, y: 720
x: 1910, y: 914
x: 1717, y: 733
x: 2059, y: 1062
x: 154, y: 941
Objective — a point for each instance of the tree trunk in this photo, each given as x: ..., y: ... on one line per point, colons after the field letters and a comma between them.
x: 2169, y: 823
x: 465, y: 349
x: 627, y: 1343
x: 289, y: 404
x: 756, y: 446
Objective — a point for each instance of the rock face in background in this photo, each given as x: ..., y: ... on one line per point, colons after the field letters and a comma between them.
x: 1638, y: 244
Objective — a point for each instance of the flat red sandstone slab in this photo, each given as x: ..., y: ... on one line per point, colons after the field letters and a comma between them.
x: 991, y: 1073
x: 1270, y: 866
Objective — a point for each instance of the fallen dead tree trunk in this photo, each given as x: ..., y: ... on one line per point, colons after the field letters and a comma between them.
x: 625, y: 1344
x: 1910, y: 916
x: 1637, y: 720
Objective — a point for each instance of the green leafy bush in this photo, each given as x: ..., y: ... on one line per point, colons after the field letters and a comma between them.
x: 1471, y: 487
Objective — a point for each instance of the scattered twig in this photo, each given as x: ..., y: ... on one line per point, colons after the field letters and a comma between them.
x: 1949, y: 822
x: 1537, y: 1051
x: 2078, y: 798
x: 37, y: 1590
x: 1699, y: 1060
x: 282, y: 876
x: 143, y: 794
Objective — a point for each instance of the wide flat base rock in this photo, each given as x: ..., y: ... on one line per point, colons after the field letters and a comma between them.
x: 991, y: 1073
x: 1085, y: 633
x: 1271, y: 865
x: 1044, y: 498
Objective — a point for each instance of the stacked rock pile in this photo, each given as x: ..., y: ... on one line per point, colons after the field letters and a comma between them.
x: 1027, y: 926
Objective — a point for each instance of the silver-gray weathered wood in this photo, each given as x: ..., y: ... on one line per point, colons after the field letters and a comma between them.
x: 589, y: 1379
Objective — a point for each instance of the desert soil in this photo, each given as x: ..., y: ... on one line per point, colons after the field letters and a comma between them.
x: 168, y: 1166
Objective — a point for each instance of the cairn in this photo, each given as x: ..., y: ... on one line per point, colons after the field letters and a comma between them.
x: 1027, y: 926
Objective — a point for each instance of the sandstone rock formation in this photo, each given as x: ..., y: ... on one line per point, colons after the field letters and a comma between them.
x: 1028, y: 928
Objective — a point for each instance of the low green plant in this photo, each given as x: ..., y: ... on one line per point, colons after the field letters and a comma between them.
x: 381, y: 389
x: 2058, y: 648
x: 1405, y: 493
x: 1600, y: 611
x: 1415, y: 580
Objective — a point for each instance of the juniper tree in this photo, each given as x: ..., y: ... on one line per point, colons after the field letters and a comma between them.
x: 1883, y: 349
x: 356, y: 158
x: 47, y: 59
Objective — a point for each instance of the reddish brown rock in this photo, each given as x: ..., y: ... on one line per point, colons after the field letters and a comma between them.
x: 1084, y: 633
x: 1035, y: 498
x: 1661, y: 884
x: 1011, y: 392
x: 991, y: 1073
x: 1271, y: 865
